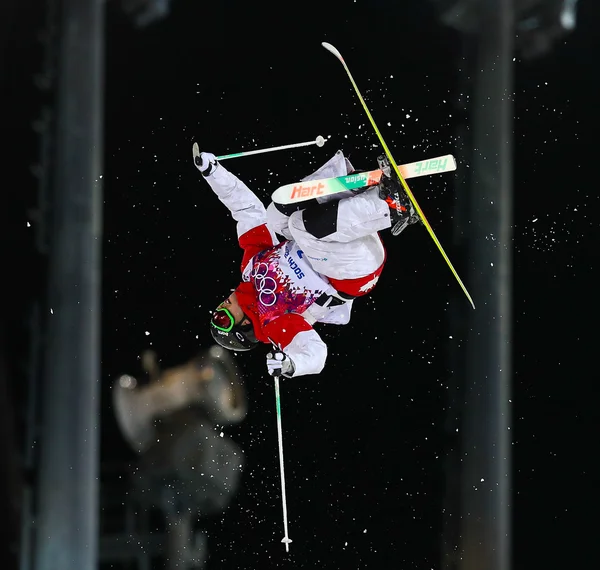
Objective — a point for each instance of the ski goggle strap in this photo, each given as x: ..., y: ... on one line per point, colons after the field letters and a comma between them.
x: 222, y: 320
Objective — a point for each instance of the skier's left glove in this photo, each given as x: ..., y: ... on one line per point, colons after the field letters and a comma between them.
x: 205, y: 162
x: 280, y: 364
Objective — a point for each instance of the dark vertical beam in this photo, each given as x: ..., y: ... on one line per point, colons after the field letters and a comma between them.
x: 67, y: 487
x: 486, y: 478
x: 11, y: 473
x: 7, y: 26
x: 458, y: 317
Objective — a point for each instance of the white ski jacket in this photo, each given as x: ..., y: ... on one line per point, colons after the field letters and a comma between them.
x: 279, y: 286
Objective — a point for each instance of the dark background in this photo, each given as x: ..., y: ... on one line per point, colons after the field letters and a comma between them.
x: 364, y: 441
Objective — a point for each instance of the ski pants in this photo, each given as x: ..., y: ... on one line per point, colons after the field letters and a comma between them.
x: 339, y: 237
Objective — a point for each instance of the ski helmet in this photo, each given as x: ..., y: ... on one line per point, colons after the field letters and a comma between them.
x: 230, y: 335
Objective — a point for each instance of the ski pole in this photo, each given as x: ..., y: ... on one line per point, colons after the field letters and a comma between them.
x: 286, y: 540
x: 319, y: 141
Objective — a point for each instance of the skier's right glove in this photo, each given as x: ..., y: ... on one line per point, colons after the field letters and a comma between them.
x: 205, y: 162
x: 280, y: 364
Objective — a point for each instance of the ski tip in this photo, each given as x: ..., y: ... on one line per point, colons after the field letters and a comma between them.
x: 196, y: 150
x: 333, y: 50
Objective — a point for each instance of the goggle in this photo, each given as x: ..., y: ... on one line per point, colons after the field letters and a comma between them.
x: 222, y: 320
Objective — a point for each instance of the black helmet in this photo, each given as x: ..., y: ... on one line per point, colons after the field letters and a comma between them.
x: 229, y: 335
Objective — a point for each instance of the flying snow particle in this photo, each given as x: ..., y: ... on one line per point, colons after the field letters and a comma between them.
x: 147, y: 333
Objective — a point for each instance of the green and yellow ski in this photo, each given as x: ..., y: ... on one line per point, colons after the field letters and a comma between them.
x: 337, y: 54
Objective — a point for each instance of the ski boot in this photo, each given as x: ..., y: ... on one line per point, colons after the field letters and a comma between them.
x: 402, y: 211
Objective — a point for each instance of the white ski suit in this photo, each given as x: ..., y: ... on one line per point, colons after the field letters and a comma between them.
x: 330, y: 251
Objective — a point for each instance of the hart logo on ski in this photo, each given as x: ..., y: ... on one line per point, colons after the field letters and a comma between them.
x: 431, y: 166
x: 299, y: 191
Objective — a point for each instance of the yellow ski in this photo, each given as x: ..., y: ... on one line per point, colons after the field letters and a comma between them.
x: 337, y: 54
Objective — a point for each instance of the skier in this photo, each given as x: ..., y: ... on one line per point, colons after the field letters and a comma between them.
x: 331, y: 254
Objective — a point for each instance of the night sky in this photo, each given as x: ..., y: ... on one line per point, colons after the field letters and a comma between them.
x: 364, y: 440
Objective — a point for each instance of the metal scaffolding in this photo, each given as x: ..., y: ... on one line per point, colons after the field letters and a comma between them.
x: 477, y: 528
x: 486, y: 469
x: 66, y: 510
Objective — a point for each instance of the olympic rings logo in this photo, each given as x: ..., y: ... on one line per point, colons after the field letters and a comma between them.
x: 266, y: 286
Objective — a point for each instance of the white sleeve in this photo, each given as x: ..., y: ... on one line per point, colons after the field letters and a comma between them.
x: 308, y: 353
x: 278, y: 221
x: 338, y: 315
x: 246, y: 209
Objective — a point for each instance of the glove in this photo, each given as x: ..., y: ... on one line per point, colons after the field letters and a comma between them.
x: 279, y: 364
x: 205, y: 162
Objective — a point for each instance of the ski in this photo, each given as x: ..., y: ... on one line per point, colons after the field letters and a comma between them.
x: 408, y: 191
x: 302, y: 191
